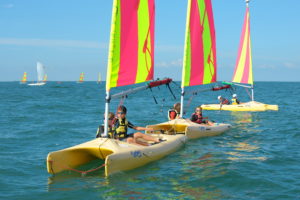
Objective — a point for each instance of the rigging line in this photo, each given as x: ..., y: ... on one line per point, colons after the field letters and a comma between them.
x: 168, y: 86
x: 99, y: 147
x: 248, y: 92
x: 189, y: 102
x: 153, y: 96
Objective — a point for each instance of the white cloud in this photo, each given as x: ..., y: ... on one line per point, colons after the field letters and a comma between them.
x: 52, y: 43
x: 266, y: 66
x: 10, y: 5
x: 174, y: 63
x: 169, y: 48
x: 290, y: 65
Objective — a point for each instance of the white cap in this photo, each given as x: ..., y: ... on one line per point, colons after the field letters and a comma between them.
x: 219, y: 97
x: 234, y: 95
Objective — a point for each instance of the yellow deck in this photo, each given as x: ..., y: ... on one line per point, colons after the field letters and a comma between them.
x: 190, y: 129
x: 249, y: 106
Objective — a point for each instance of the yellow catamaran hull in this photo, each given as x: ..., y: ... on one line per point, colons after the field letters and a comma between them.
x: 249, y: 106
x: 118, y: 155
x: 190, y: 129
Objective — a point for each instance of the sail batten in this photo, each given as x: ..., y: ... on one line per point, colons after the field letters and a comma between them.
x: 199, y: 65
x: 243, y: 69
x: 131, y: 54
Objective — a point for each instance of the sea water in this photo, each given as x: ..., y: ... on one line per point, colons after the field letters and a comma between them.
x: 259, y: 158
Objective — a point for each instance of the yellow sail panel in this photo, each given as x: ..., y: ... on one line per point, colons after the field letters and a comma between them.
x: 243, y: 69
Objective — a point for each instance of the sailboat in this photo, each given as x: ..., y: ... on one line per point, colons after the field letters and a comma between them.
x: 243, y: 75
x: 45, y: 78
x: 99, y: 78
x: 131, y: 64
x: 81, y: 78
x: 199, y: 67
x: 24, y: 78
x: 40, y: 74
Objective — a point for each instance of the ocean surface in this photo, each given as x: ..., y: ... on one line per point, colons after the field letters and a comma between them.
x: 259, y: 158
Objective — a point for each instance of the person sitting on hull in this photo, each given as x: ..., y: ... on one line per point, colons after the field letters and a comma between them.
x: 223, y: 101
x: 174, y: 113
x: 110, y: 130
x: 198, y: 118
x: 121, y: 130
x: 234, y: 100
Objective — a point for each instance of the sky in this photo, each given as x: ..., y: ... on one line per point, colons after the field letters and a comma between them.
x: 72, y: 36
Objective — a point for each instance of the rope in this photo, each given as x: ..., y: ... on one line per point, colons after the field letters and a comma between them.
x: 189, y: 103
x: 76, y: 170
x: 248, y: 92
x: 122, y: 99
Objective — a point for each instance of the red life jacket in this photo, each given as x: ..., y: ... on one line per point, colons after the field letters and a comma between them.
x: 199, y: 118
x: 225, y: 101
x: 172, y: 114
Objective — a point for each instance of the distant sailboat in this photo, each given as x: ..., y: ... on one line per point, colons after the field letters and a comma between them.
x: 40, y: 73
x: 81, y: 78
x: 24, y: 79
x: 45, y: 78
x: 243, y: 75
x: 99, y: 78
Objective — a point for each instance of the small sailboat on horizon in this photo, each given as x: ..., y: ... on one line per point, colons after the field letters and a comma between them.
x: 45, y: 78
x: 24, y: 78
x: 81, y: 78
x: 99, y: 78
x: 40, y: 75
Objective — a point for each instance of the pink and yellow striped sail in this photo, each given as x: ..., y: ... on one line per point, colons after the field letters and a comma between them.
x: 81, y: 78
x: 24, y: 79
x: 131, y: 51
x: 243, y: 69
x: 199, y: 63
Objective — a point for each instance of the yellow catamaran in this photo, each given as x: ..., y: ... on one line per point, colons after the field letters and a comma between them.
x: 243, y: 75
x: 199, y: 67
x: 130, y: 61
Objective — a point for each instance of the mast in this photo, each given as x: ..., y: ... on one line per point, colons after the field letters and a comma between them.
x: 185, y: 55
x: 110, y: 57
x: 252, y: 86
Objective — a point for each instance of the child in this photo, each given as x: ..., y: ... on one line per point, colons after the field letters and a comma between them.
x: 121, y: 130
x: 111, y: 119
x: 198, y: 118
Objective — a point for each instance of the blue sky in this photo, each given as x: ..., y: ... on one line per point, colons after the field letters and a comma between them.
x: 72, y: 36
